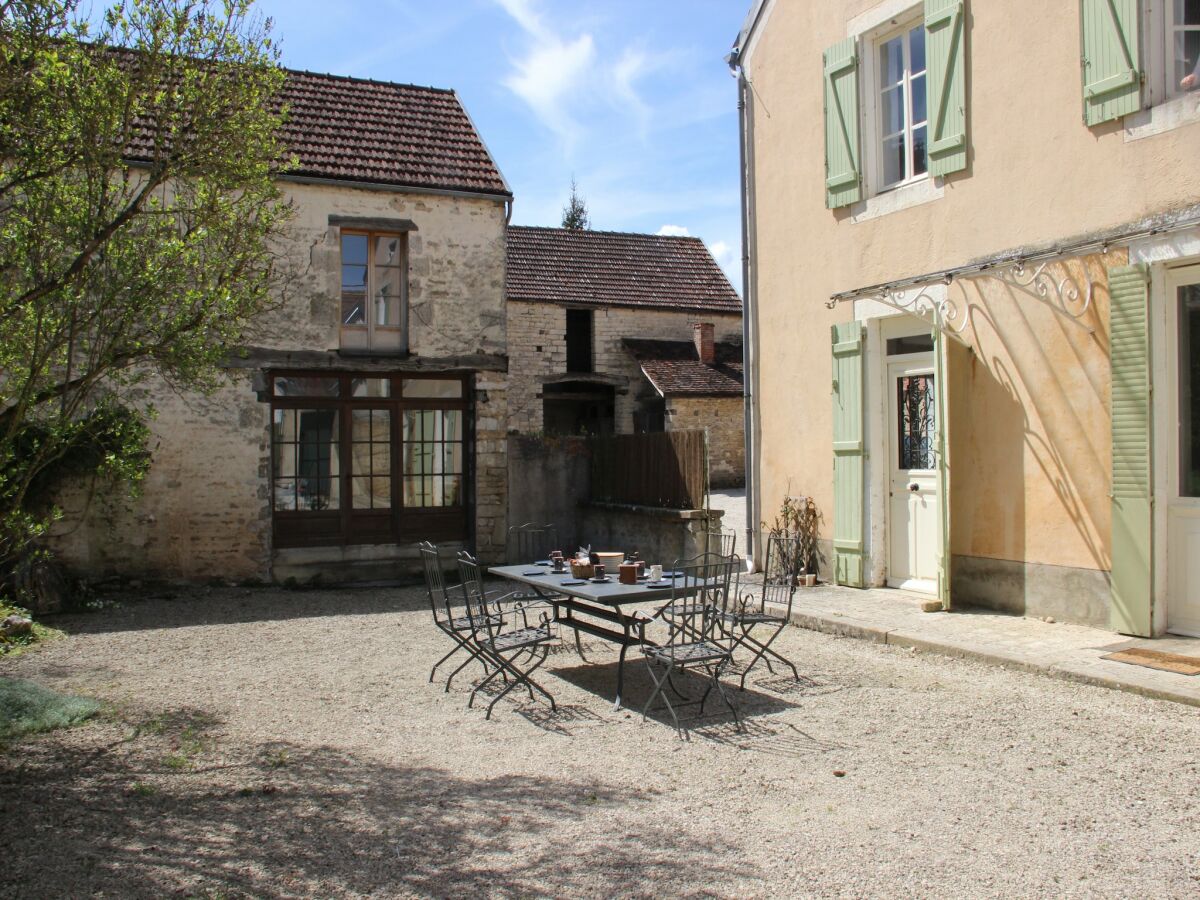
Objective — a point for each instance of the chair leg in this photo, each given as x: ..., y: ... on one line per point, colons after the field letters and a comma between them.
x: 433, y: 671
x: 761, y: 653
x: 658, y: 689
x: 716, y: 679
x: 519, y: 678
x: 475, y: 655
x: 499, y: 670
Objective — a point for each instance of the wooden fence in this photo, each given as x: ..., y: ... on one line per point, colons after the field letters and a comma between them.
x: 668, y: 469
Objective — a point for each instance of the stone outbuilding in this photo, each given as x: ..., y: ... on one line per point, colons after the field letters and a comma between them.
x: 575, y: 299
x: 371, y: 412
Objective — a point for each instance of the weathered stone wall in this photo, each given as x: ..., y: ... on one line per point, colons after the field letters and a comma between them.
x: 205, y: 507
x: 723, y: 418
x: 537, y: 347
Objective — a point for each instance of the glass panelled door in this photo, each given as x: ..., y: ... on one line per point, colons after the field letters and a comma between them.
x: 1183, y: 511
x: 913, y: 512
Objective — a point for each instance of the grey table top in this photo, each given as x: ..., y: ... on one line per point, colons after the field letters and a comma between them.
x: 611, y: 594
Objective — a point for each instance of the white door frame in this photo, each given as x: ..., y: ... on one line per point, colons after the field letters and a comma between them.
x: 1165, y: 409
x: 923, y: 363
x: 882, y: 324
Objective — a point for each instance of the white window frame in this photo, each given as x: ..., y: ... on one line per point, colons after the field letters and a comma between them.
x: 1158, y: 42
x: 872, y: 129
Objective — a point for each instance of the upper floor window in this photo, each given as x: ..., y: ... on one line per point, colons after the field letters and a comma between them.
x: 374, y: 297
x: 903, y: 133
x: 1183, y: 47
x: 579, y: 340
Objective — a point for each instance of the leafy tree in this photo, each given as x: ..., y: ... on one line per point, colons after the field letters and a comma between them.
x: 138, y: 211
x: 575, y: 214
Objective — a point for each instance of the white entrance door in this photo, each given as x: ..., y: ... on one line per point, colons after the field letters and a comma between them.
x: 1183, y: 454
x: 913, y: 515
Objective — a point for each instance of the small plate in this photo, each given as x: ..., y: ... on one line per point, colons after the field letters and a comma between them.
x: 543, y: 562
x: 534, y: 572
x: 572, y: 581
x: 604, y: 580
x: 659, y: 584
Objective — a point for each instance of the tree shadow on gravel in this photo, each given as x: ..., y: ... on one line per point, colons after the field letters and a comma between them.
x: 287, y: 820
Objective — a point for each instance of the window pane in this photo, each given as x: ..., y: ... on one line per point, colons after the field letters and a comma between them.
x: 916, y: 414
x: 893, y: 159
x: 432, y: 388
x: 290, y: 386
x: 452, y: 459
x: 1187, y: 51
x: 381, y: 493
x: 453, y: 424
x: 916, y: 48
x: 1187, y: 12
x: 892, y: 107
x: 920, y: 151
x: 1189, y: 391
x: 918, y: 100
x: 353, y: 310
x: 891, y: 62
x: 306, y: 471
x: 371, y: 387
x: 387, y: 250
x: 453, y: 491
x: 354, y: 250
x: 387, y: 296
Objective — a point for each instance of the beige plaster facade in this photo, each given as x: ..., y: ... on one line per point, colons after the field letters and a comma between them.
x: 205, y: 510
x: 1027, y: 387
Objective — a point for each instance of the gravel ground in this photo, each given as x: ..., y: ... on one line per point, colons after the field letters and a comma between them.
x: 266, y: 743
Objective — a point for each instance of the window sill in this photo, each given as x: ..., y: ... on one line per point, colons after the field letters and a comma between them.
x: 924, y: 191
x: 1165, y: 117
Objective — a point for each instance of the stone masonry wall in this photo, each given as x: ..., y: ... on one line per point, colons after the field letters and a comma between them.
x: 205, y: 507
x: 722, y: 418
x: 537, y: 347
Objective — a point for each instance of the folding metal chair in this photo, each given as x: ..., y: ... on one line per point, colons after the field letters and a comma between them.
x: 779, y: 589
x: 458, y: 625
x: 504, y: 648
x: 720, y: 542
x: 695, y: 641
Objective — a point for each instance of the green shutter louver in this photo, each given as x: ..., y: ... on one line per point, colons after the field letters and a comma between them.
x: 1132, y: 488
x: 1112, y: 77
x: 848, y: 455
x: 946, y: 85
x: 843, y: 171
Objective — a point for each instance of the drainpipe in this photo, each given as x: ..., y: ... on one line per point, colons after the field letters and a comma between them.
x: 749, y: 326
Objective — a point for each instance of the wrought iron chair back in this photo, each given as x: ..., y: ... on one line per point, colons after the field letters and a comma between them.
x: 699, y: 595
x: 435, y: 584
x: 471, y: 578
x: 773, y: 609
x: 720, y: 542
x: 458, y: 628
x: 531, y: 542
x: 781, y: 572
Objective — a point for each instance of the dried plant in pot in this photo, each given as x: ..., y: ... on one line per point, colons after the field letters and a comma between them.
x: 799, y: 520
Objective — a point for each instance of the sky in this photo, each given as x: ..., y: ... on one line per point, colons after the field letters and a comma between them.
x: 631, y: 98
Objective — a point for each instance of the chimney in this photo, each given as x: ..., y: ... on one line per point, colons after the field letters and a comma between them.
x: 702, y: 334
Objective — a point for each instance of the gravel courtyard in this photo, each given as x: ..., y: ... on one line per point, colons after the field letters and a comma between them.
x: 270, y: 743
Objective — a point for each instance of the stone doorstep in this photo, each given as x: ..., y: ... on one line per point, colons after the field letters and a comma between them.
x: 1067, y: 652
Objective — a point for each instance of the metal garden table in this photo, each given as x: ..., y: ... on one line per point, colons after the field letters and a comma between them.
x: 596, y: 609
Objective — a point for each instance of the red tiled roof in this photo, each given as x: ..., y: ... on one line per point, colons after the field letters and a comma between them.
x: 376, y: 132
x: 372, y: 131
x: 675, y: 368
x: 607, y: 268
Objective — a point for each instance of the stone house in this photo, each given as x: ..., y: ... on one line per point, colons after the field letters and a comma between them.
x: 590, y: 311
x: 980, y: 225
x: 371, y: 412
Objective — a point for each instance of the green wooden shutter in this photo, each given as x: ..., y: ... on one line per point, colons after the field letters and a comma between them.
x: 946, y: 85
x: 843, y: 171
x: 1112, y: 78
x: 848, y: 453
x: 1132, y: 490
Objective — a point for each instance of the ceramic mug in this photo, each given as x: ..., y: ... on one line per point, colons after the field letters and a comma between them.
x: 656, y: 573
x: 598, y: 571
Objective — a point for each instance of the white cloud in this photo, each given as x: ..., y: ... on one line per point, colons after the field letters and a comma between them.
x: 727, y: 258
x: 561, y: 78
x: 673, y: 231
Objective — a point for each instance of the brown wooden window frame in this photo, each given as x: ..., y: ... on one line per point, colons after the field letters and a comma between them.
x: 371, y: 335
x: 344, y: 525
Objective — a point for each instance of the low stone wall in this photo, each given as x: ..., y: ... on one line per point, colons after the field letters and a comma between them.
x: 658, y: 535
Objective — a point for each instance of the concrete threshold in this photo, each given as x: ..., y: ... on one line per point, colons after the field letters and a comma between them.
x: 1067, y: 652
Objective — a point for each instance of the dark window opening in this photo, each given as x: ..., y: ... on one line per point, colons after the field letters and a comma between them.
x: 579, y: 340
x: 575, y: 407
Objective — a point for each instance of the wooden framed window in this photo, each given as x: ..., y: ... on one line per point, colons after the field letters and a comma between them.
x: 1183, y: 47
x: 374, y: 290
x: 363, y: 459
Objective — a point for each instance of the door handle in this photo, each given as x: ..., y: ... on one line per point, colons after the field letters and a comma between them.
x: 914, y: 487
